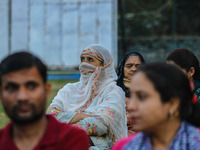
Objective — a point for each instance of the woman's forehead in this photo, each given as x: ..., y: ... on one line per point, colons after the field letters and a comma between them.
x: 133, y: 59
x: 93, y: 53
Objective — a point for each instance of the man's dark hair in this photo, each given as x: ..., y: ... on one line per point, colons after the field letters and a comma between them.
x: 22, y: 60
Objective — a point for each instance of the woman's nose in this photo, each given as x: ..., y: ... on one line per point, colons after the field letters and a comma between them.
x: 132, y: 106
x: 133, y: 68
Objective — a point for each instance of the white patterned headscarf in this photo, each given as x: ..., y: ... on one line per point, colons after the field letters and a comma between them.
x: 93, y: 78
x: 86, y: 96
x: 99, y: 76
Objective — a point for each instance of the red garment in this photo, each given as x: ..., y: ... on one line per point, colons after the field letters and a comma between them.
x: 194, y: 98
x: 119, y: 145
x: 58, y: 136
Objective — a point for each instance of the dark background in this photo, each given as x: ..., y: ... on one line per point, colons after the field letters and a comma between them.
x: 155, y: 27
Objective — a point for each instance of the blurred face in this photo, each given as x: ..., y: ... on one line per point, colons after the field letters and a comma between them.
x: 91, y: 60
x: 131, y: 65
x: 24, y: 95
x: 145, y: 108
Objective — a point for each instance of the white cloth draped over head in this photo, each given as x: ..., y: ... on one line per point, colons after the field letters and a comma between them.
x: 84, y: 96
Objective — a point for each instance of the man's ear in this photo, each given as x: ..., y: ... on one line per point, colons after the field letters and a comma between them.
x: 48, y: 89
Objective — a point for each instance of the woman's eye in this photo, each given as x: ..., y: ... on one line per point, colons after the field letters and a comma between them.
x: 141, y: 96
x: 128, y: 66
x: 82, y: 59
x: 137, y: 65
x: 90, y: 59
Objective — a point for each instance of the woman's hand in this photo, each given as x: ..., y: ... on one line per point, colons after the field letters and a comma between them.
x: 78, y: 117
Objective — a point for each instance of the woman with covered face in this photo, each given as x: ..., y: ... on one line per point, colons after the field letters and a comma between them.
x: 95, y: 103
x: 162, y: 111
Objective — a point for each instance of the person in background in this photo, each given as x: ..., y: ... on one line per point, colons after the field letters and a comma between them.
x: 95, y: 103
x: 162, y: 111
x: 127, y: 68
x: 189, y: 64
x: 125, y: 71
x: 24, y: 91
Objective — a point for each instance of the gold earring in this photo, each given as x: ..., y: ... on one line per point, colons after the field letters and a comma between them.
x: 171, y: 113
x: 176, y: 114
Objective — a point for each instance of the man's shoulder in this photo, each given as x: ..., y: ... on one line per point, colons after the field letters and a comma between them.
x: 67, y: 135
x: 1, y: 133
x: 71, y: 131
x: 6, y: 129
x: 5, y: 134
x: 2, y: 138
x: 65, y: 128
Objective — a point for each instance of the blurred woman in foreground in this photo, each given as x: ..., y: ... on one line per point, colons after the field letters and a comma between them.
x: 161, y: 110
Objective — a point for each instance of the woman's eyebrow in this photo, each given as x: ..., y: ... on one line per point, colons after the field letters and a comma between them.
x: 132, y: 64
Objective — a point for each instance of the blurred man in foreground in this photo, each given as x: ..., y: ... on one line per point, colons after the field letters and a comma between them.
x: 24, y: 91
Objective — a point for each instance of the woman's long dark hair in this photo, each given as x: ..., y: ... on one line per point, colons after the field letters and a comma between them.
x: 120, y: 70
x: 185, y: 59
x: 171, y: 82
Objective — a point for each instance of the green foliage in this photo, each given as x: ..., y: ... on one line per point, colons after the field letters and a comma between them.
x: 3, y: 118
x: 160, y: 17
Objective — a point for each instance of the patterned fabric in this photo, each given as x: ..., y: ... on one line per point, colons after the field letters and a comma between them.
x: 196, y: 89
x: 97, y: 95
x: 92, y: 52
x: 187, y: 138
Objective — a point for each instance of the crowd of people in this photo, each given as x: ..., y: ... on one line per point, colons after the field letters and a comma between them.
x: 139, y: 105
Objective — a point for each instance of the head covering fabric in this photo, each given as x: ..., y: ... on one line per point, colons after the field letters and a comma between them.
x: 93, y: 53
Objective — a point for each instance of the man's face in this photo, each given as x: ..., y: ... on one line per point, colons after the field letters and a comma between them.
x: 24, y: 95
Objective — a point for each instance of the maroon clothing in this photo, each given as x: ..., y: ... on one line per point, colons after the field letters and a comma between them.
x: 58, y: 136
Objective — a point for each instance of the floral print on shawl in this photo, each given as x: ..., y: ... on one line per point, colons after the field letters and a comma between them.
x: 93, y: 53
x: 94, y: 88
x: 99, y: 130
x: 97, y: 95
